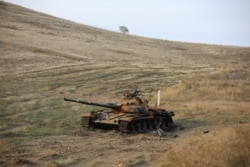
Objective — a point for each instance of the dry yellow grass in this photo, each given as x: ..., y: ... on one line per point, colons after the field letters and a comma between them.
x: 218, y: 91
x: 227, y: 147
x: 211, y: 100
x: 230, y: 84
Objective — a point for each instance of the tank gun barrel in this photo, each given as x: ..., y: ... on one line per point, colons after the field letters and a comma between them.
x: 112, y: 106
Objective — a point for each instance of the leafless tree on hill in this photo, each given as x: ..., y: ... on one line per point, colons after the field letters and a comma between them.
x: 123, y: 29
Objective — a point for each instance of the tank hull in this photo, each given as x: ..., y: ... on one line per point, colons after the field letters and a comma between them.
x: 127, y: 122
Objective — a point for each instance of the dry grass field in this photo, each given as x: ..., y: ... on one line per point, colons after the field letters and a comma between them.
x: 44, y: 59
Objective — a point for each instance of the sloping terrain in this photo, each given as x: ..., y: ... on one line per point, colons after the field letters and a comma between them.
x: 44, y: 59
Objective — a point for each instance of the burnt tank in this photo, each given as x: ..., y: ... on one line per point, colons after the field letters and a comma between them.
x: 131, y: 115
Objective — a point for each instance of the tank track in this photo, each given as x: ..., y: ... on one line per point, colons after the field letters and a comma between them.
x: 144, y: 125
x: 135, y: 126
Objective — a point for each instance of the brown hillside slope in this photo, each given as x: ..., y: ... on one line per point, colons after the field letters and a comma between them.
x: 44, y: 58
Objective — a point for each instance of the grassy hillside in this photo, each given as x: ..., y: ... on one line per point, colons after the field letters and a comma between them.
x: 44, y: 59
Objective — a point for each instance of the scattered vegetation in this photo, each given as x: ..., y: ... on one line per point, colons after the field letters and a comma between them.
x: 228, y: 147
x: 207, y: 86
x: 231, y: 84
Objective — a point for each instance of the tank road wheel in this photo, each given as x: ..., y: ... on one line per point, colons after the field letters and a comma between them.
x: 150, y: 125
x: 144, y: 126
x: 156, y: 123
x: 139, y: 127
x: 132, y: 127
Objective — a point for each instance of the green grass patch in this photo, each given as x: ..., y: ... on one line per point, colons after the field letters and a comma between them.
x: 44, y: 130
x: 70, y: 161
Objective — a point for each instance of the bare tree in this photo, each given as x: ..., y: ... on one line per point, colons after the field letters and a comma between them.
x: 123, y: 29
